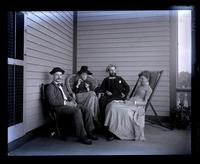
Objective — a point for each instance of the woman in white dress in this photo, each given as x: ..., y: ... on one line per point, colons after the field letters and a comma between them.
x: 126, y: 119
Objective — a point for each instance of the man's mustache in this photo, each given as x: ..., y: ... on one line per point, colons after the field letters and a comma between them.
x: 112, y: 74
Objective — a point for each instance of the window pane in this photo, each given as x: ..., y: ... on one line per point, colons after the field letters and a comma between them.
x: 184, y: 58
x: 184, y: 49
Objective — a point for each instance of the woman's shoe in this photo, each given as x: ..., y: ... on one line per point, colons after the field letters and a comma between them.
x: 137, y: 138
x: 142, y: 138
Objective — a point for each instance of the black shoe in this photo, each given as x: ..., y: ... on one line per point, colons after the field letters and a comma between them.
x: 110, y: 138
x: 86, y: 141
x: 64, y: 138
x: 97, y: 124
x: 92, y: 136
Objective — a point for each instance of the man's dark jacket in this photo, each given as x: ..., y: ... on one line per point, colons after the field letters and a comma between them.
x: 117, y: 86
x: 54, y: 95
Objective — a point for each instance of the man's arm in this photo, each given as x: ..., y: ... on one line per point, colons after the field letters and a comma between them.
x: 52, y: 98
x: 126, y: 87
x: 103, y: 86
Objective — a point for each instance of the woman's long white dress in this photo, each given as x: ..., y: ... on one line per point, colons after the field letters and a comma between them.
x: 121, y: 117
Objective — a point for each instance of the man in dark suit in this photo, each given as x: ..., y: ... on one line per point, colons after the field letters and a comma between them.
x: 113, y: 87
x: 63, y: 103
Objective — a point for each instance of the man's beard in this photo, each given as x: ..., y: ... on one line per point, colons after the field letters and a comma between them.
x: 112, y: 74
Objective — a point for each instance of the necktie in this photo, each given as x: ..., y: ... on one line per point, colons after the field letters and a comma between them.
x: 60, y: 87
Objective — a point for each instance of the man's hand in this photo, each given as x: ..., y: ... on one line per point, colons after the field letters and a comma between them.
x: 108, y: 93
x: 70, y: 103
x: 73, y: 103
x: 123, y: 95
x: 87, y: 86
x: 79, y: 82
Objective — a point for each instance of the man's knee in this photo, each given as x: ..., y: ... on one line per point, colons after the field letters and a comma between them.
x: 77, y: 112
x: 92, y: 93
x: 85, y: 111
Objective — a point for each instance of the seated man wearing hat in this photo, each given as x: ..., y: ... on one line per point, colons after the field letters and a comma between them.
x: 63, y: 103
x: 85, y: 94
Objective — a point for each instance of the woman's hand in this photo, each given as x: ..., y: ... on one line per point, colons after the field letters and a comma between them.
x: 128, y: 102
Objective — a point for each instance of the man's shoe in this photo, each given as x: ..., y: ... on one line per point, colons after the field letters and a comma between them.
x: 110, y: 138
x: 64, y: 138
x: 92, y: 136
x: 97, y: 124
x: 86, y: 140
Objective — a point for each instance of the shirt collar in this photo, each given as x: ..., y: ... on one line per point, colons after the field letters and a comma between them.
x: 112, y: 77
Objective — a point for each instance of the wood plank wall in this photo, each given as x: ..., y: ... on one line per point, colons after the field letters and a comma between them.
x: 48, y: 43
x: 133, y: 40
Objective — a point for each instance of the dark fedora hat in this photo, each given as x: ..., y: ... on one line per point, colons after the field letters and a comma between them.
x: 84, y: 69
x: 57, y: 69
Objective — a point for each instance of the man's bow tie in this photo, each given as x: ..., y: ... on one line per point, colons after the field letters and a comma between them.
x: 60, y: 84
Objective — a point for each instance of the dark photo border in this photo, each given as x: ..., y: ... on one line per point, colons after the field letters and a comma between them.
x: 75, y: 5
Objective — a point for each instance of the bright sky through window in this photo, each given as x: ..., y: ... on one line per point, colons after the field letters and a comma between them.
x: 184, y: 41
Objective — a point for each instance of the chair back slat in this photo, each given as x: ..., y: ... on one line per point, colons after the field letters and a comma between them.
x: 153, y: 82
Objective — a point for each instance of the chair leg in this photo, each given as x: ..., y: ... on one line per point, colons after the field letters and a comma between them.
x: 158, y: 119
x: 56, y: 122
x: 58, y: 131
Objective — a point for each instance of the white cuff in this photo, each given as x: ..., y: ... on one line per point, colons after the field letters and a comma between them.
x: 65, y: 102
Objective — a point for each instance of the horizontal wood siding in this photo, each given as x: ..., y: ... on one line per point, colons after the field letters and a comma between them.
x: 49, y: 43
x: 133, y: 40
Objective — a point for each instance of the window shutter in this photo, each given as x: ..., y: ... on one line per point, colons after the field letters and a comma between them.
x: 11, y: 34
x: 18, y: 94
x: 11, y: 95
x: 19, y: 35
x: 15, y: 72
